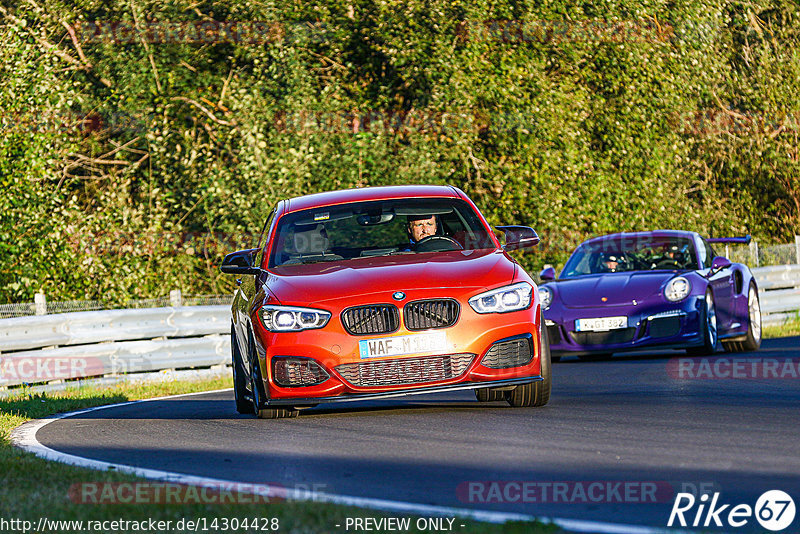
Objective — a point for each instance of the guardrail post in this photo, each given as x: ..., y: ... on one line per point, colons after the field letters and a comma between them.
x: 175, y: 298
x: 797, y: 248
x: 754, y: 251
x: 41, y: 303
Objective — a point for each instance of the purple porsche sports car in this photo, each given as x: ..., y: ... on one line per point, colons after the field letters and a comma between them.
x: 665, y: 289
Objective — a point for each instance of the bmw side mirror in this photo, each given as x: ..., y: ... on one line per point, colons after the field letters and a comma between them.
x: 547, y: 275
x: 240, y: 262
x: 719, y: 263
x: 519, y: 237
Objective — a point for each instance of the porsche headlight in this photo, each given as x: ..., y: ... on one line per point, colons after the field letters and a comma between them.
x: 545, y: 296
x: 291, y: 319
x: 504, y: 299
x: 677, y: 289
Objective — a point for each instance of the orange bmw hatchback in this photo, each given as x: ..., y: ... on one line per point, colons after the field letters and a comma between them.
x: 381, y: 292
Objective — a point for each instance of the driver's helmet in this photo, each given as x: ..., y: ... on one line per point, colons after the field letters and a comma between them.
x: 676, y: 253
x: 611, y: 262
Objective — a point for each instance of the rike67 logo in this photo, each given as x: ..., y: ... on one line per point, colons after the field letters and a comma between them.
x: 774, y: 510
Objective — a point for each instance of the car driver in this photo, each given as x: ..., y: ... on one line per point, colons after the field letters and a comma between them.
x: 611, y: 263
x: 420, y: 227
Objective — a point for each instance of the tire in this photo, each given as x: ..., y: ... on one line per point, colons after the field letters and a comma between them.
x: 243, y: 404
x: 603, y: 356
x: 277, y: 413
x: 536, y: 393
x: 259, y: 395
x: 546, y: 332
x: 489, y: 395
x: 753, y: 339
x: 708, y: 321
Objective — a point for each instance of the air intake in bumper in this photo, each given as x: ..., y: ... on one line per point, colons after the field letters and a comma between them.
x: 405, y: 370
x: 506, y: 353
x: 296, y: 372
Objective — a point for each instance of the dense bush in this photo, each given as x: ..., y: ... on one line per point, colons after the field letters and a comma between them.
x: 130, y: 163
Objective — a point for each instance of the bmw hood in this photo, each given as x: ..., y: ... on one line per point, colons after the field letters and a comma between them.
x: 618, y: 289
x: 461, y: 270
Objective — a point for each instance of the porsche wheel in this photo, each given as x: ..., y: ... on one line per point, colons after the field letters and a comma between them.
x: 708, y: 321
x: 258, y: 397
x: 243, y: 404
x: 753, y: 339
x: 535, y: 393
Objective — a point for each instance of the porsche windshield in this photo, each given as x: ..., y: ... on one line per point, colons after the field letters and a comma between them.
x: 637, y: 254
x: 377, y: 228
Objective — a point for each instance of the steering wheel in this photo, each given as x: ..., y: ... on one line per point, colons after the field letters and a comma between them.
x: 437, y: 243
x: 667, y: 264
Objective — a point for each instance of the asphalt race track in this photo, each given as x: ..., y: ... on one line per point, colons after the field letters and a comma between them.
x: 730, y: 425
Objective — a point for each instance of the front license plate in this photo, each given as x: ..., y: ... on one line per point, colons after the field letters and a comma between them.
x: 601, y: 324
x: 400, y: 345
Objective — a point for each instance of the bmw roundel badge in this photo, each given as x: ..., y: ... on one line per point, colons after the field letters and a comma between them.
x: 398, y: 295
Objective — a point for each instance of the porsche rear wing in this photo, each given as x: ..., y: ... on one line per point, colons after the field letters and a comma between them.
x: 738, y: 240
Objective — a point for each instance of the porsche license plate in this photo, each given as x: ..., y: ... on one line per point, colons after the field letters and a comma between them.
x: 601, y: 324
x: 401, y: 345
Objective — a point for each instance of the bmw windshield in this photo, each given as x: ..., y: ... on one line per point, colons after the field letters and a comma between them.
x: 378, y: 228
x: 625, y: 255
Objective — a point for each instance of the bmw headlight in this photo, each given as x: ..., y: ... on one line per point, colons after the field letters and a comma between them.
x: 291, y: 319
x: 545, y: 296
x: 504, y: 299
x: 677, y: 289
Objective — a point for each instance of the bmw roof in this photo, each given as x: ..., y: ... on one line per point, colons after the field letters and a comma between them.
x: 330, y: 198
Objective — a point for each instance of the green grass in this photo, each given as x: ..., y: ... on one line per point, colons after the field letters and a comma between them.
x: 787, y: 329
x: 31, y: 488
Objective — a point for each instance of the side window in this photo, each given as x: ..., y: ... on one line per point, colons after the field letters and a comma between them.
x: 706, y: 254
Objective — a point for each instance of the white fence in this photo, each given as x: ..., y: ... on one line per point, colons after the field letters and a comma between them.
x: 758, y: 255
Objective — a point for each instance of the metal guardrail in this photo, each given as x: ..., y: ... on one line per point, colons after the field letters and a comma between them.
x: 53, y: 348
x: 112, y: 342
x: 779, y: 292
x: 81, y: 328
